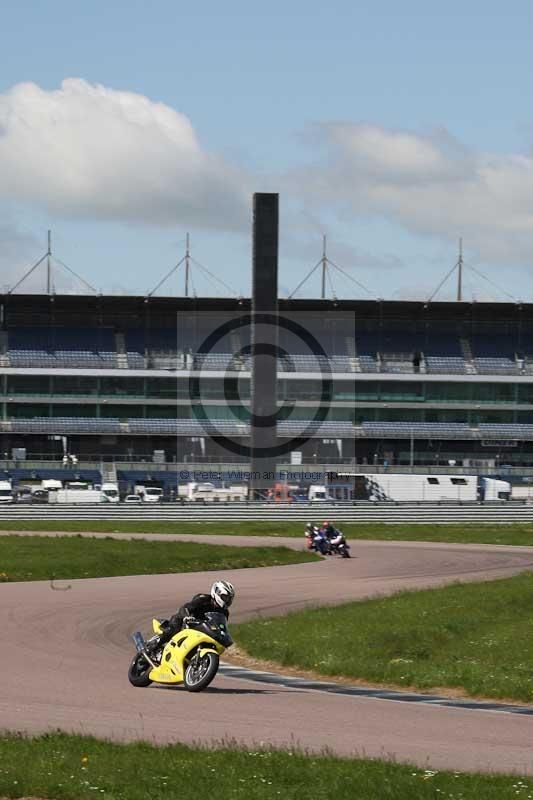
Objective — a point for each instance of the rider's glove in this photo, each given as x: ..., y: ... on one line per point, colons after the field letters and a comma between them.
x: 189, y: 620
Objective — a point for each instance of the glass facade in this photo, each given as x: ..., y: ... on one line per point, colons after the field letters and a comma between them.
x: 356, y: 390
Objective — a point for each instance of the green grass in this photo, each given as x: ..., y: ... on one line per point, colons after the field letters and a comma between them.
x: 154, y: 526
x: 478, y: 637
x: 33, y: 558
x: 74, y: 768
x: 516, y: 534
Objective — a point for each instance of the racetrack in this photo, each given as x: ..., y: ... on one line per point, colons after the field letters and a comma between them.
x: 66, y: 651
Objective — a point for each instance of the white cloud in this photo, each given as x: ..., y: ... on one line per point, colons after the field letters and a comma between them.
x: 92, y: 152
x: 430, y: 184
x: 18, y: 250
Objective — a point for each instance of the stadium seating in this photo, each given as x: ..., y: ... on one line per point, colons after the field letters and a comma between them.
x: 368, y: 363
x: 76, y: 348
x: 453, y: 365
x: 395, y: 352
x: 343, y: 429
x: 510, y: 431
x: 66, y: 425
x: 496, y: 366
x: 426, y: 430
x: 171, y: 349
x: 169, y: 427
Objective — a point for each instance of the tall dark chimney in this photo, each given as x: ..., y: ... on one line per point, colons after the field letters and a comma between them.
x: 264, y: 340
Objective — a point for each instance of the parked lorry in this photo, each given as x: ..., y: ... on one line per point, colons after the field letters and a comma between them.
x: 318, y: 494
x: 399, y: 487
x: 50, y: 484
x: 77, y: 492
x: 76, y: 496
x: 110, y: 492
x: 313, y: 494
x: 194, y: 492
x: 6, y: 492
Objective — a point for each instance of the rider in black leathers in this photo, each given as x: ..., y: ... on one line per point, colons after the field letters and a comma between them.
x: 220, y: 598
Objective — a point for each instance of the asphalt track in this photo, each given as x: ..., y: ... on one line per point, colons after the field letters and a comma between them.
x: 66, y: 650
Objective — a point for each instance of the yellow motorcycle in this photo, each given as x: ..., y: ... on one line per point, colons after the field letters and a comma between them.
x: 190, y: 657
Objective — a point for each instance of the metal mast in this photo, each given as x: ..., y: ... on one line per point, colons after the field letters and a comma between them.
x: 49, y: 263
x: 187, y: 264
x: 460, y: 272
x: 324, y: 269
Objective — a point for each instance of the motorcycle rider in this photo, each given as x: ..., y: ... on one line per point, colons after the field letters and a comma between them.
x: 316, y: 539
x: 329, y: 529
x: 337, y: 539
x: 334, y: 536
x: 219, y: 599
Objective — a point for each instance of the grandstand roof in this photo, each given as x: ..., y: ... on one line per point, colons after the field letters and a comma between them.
x: 67, y: 309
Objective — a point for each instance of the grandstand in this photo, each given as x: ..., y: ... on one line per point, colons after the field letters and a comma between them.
x: 407, y: 382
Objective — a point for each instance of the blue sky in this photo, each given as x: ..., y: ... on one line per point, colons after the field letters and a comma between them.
x: 365, y: 116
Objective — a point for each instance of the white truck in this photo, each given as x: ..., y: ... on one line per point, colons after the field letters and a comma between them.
x: 76, y: 492
x: 76, y: 496
x: 319, y: 494
x: 110, y: 492
x: 51, y: 484
x: 149, y: 494
x: 194, y: 492
x: 6, y: 492
x: 494, y: 489
x: 416, y: 488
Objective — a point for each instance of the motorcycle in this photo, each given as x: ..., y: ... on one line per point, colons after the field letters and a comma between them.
x: 339, y: 546
x: 190, y: 657
x: 317, y: 540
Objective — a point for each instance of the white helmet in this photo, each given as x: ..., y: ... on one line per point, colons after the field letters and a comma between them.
x: 222, y: 593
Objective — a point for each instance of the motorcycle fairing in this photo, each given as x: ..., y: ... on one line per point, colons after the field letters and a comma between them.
x: 172, y: 666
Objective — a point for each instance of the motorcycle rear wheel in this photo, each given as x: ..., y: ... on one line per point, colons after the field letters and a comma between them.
x: 139, y: 670
x: 200, y: 672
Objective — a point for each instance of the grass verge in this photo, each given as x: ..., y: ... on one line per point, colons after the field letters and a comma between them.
x: 74, y: 767
x: 33, y: 558
x: 514, y: 534
x: 475, y: 636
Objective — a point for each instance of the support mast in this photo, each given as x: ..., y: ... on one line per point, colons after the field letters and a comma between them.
x: 49, y: 263
x: 324, y: 269
x: 460, y: 272
x: 187, y: 264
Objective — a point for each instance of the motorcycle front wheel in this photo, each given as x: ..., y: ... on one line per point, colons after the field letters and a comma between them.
x: 201, y: 671
x: 139, y: 670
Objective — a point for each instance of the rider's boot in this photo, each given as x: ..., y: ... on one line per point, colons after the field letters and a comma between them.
x: 154, y: 644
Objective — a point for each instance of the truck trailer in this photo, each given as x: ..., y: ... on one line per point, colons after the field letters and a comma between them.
x: 194, y: 492
x: 6, y: 492
x: 415, y: 488
x: 76, y: 496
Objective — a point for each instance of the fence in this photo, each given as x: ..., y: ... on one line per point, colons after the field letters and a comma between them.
x: 342, y: 513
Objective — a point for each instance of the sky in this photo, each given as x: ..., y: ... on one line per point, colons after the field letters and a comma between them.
x: 394, y: 129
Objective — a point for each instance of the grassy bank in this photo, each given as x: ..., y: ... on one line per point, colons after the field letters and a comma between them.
x: 33, y: 558
x: 515, y: 534
x: 478, y: 637
x: 73, y: 768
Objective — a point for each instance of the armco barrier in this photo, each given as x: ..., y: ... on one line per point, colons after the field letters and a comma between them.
x: 342, y: 513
